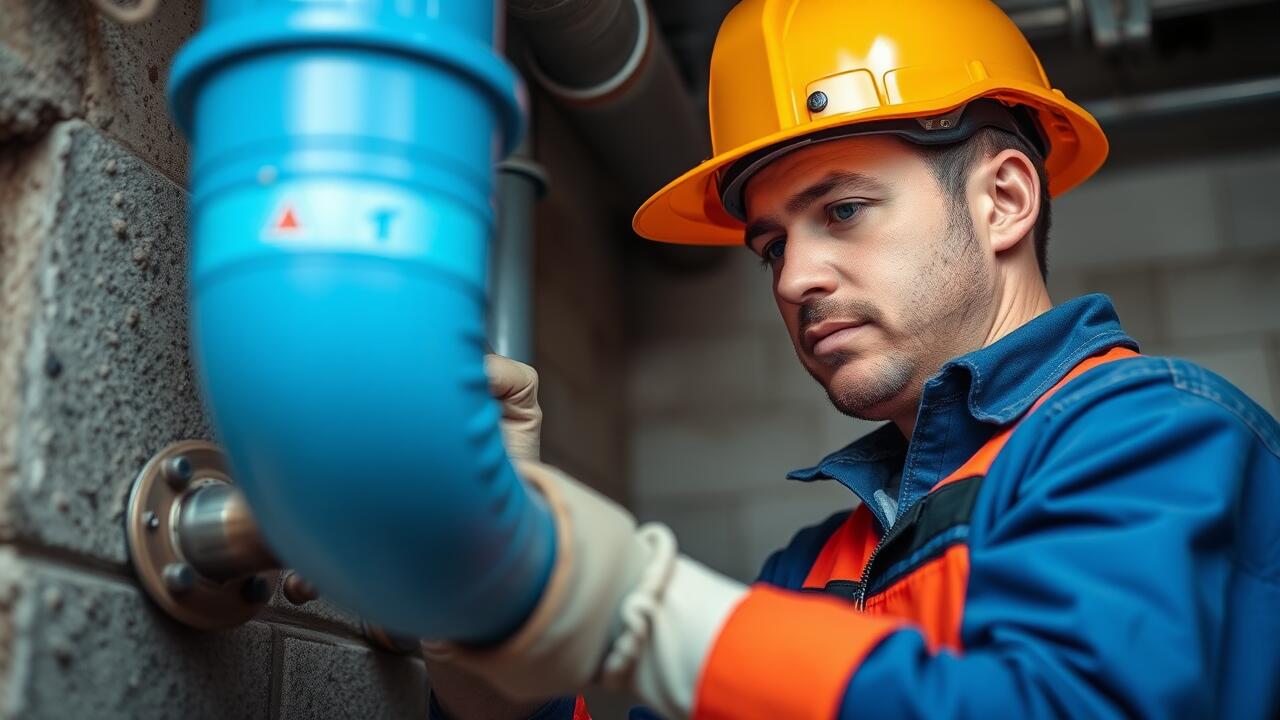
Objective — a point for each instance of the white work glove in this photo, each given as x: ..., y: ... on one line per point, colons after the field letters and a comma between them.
x: 515, y: 385
x: 621, y: 607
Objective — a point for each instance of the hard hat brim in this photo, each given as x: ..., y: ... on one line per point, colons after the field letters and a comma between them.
x: 688, y: 210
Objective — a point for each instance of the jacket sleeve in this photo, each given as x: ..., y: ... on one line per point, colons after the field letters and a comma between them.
x: 1097, y: 583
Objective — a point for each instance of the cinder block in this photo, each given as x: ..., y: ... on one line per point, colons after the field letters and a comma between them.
x: 104, y: 376
x: 839, y: 430
x: 83, y: 645
x: 1245, y: 365
x: 709, y: 530
x: 587, y: 352
x: 43, y: 61
x: 1240, y: 297
x: 1065, y: 283
x: 61, y: 60
x: 1131, y: 217
x: 734, y: 294
x: 776, y: 515
x: 1248, y: 196
x: 318, y: 613
x: 1136, y: 298
x: 326, y: 680
x: 583, y: 433
x: 126, y: 80
x: 712, y: 370
x: 712, y: 451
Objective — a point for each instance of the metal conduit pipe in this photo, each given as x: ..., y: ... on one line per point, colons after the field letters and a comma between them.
x: 606, y: 64
x: 521, y: 181
x: 342, y: 170
x: 1039, y: 18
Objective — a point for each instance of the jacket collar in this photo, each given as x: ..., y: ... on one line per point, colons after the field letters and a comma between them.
x: 1000, y: 382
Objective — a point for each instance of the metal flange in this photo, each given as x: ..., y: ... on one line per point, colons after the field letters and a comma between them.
x: 192, y: 541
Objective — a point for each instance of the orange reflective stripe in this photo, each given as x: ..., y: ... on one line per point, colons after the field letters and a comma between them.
x: 981, y: 461
x: 784, y: 654
x: 931, y: 597
x: 846, y: 551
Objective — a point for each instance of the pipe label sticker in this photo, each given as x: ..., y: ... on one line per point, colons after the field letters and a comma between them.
x: 286, y: 222
x: 327, y: 216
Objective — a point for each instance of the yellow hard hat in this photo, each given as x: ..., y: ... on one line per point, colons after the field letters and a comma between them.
x: 787, y: 73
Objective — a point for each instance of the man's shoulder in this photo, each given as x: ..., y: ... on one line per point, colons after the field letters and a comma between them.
x: 1173, y: 390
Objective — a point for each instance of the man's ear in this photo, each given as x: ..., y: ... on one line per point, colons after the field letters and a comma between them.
x: 1009, y: 187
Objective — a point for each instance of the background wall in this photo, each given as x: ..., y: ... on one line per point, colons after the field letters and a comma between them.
x: 94, y: 379
x: 1189, y: 251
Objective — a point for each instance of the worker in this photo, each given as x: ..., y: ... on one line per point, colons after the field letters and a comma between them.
x: 1048, y: 523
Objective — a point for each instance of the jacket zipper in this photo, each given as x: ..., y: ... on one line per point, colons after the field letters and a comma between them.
x: 865, y: 583
x: 866, y: 574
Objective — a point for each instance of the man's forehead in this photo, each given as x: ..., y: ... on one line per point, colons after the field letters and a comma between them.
x: 874, y: 157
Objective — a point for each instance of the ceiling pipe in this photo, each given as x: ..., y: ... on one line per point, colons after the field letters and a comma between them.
x: 1041, y: 18
x: 607, y: 66
x: 341, y: 183
x: 1114, y: 111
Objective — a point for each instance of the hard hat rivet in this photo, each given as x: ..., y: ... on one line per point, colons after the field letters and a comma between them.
x: 817, y: 101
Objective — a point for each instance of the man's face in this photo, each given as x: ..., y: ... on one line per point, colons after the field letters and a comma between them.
x: 878, y: 279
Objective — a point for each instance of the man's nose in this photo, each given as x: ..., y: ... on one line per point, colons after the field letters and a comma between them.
x: 808, y: 272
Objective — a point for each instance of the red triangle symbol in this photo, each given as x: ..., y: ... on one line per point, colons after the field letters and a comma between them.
x: 287, y: 221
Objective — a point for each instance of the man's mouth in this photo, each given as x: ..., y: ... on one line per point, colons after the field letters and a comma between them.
x: 828, y: 336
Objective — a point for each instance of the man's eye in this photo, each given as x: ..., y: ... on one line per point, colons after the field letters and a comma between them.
x: 773, y: 252
x: 843, y: 212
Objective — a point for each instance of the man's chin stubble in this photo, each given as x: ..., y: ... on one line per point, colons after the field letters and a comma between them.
x: 870, y: 400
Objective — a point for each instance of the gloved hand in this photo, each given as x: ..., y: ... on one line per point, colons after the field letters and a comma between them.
x: 621, y: 607
x: 515, y: 385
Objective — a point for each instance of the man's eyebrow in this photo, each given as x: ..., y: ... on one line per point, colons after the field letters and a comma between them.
x: 801, y: 201
x: 758, y: 227
x: 836, y: 179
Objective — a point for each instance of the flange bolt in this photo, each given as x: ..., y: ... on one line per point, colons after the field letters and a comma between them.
x: 179, y: 578
x: 178, y: 471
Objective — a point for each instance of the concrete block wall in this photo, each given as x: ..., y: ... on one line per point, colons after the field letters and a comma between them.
x: 721, y: 409
x: 95, y: 378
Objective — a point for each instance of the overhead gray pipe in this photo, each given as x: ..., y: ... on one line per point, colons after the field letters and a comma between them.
x: 521, y: 181
x: 608, y: 67
x: 1041, y: 18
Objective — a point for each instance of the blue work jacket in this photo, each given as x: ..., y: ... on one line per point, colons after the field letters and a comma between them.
x: 1123, y: 547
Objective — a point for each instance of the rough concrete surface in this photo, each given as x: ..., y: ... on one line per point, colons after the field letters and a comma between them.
x: 323, y: 680
x: 91, y: 646
x: 42, y: 64
x: 105, y: 379
x: 125, y: 83
x: 60, y: 60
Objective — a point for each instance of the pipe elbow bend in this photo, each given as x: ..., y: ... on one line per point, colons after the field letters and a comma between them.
x: 340, y: 237
x: 352, y: 399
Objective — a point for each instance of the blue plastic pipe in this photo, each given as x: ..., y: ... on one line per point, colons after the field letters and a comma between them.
x: 342, y: 182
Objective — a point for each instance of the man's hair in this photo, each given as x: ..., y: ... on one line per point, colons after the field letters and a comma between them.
x: 951, y: 164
